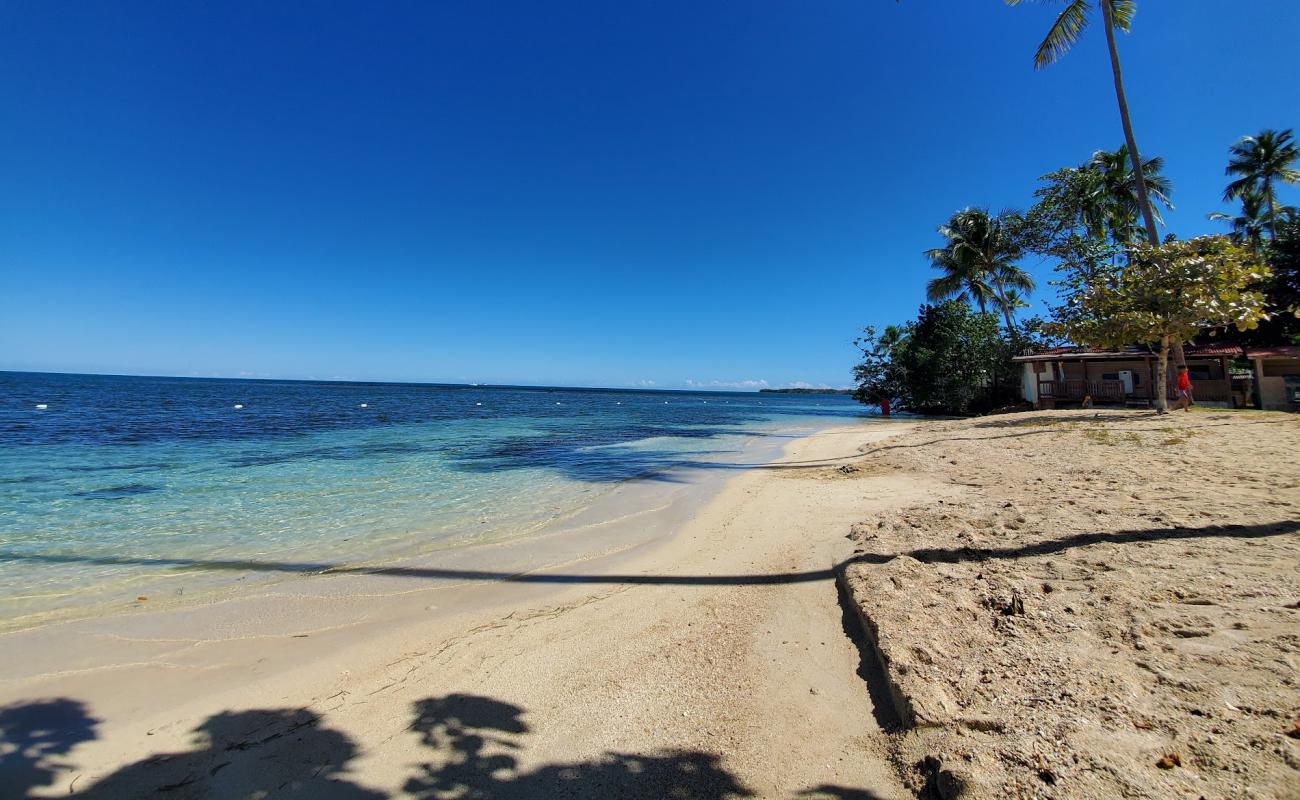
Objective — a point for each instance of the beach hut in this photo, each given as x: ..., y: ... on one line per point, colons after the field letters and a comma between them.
x: 1126, y: 375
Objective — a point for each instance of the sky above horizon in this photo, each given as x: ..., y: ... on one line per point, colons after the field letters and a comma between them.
x: 668, y: 195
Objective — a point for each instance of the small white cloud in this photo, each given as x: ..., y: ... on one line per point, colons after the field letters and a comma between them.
x: 646, y: 382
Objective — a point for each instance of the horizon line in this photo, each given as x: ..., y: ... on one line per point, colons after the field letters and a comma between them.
x: 769, y: 390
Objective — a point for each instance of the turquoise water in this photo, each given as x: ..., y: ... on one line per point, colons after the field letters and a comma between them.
x: 118, y: 480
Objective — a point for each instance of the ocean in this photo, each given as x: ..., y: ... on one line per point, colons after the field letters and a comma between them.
x: 109, y: 484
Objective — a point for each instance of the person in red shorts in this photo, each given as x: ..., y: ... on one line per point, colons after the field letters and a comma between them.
x: 1184, y: 389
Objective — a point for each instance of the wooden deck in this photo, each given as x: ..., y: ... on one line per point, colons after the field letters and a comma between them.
x: 1051, y: 393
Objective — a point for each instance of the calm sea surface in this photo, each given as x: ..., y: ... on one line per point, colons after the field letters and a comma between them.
x: 118, y: 478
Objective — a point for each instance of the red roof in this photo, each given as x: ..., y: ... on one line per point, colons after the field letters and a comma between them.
x: 1216, y: 350
x: 1280, y: 351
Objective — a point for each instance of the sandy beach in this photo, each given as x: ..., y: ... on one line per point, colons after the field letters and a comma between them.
x: 1108, y: 608
x: 1055, y: 604
x: 711, y: 661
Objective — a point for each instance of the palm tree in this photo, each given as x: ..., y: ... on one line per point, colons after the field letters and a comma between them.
x: 1261, y: 161
x: 1067, y: 29
x: 978, y: 262
x: 1117, y: 189
x: 1015, y: 299
x: 1248, y: 227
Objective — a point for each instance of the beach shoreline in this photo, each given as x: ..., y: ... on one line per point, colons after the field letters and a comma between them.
x: 161, y: 673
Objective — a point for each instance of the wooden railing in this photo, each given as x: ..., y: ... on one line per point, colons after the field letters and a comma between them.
x: 1108, y: 391
x: 1099, y: 390
x: 1211, y: 391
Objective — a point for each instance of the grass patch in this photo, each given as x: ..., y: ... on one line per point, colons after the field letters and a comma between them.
x: 1100, y: 436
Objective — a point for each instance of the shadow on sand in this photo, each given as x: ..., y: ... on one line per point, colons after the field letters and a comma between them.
x: 927, y: 554
x: 472, y: 744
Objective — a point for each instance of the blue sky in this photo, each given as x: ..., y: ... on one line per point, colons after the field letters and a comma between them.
x: 596, y: 193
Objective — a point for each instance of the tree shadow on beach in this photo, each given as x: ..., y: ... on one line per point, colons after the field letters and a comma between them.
x: 474, y: 740
x: 33, y: 738
x: 256, y: 753
x: 952, y: 555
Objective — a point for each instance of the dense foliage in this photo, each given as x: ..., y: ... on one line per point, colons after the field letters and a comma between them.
x: 950, y: 360
x: 1281, y: 290
x: 1170, y: 292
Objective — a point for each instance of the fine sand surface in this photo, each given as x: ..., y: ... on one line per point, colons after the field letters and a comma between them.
x: 712, y: 661
x: 1109, y: 607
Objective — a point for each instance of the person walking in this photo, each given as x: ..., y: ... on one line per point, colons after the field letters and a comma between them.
x: 1184, y: 389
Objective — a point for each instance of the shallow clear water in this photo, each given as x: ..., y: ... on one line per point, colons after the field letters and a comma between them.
x: 120, y: 478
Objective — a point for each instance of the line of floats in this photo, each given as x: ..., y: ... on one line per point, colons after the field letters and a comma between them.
x: 240, y: 406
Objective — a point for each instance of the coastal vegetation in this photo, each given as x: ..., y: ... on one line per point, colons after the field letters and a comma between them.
x: 1119, y: 283
x: 950, y: 360
x: 1162, y: 294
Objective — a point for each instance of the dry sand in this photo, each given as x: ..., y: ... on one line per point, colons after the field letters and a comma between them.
x: 715, y: 663
x: 1109, y: 608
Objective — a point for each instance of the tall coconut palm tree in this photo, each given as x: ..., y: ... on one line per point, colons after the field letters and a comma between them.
x: 978, y: 262
x: 1069, y: 26
x: 1261, y: 162
x: 1248, y: 227
x: 1117, y: 190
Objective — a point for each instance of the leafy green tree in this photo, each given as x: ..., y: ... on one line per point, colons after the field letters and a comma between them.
x: 978, y: 263
x: 949, y: 360
x: 879, y: 376
x: 954, y: 360
x: 1069, y: 26
x: 1261, y: 162
x: 1067, y: 215
x: 1163, y: 295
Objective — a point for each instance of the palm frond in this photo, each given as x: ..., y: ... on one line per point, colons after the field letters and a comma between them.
x: 945, y: 287
x: 1239, y: 188
x: 1013, y: 277
x: 1069, y: 26
x: 1122, y: 13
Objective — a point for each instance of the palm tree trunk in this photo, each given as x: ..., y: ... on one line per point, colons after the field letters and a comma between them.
x: 1139, y: 179
x: 1003, y: 305
x: 1272, y: 208
x: 1148, y: 219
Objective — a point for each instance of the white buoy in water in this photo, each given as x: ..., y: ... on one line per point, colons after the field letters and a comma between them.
x: 478, y: 404
x: 365, y: 405
x: 238, y: 406
x: 41, y: 406
x: 557, y: 404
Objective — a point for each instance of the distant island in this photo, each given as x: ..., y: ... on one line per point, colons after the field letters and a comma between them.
x: 807, y: 391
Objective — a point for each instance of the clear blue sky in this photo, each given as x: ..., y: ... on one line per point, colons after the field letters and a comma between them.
x: 598, y: 193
